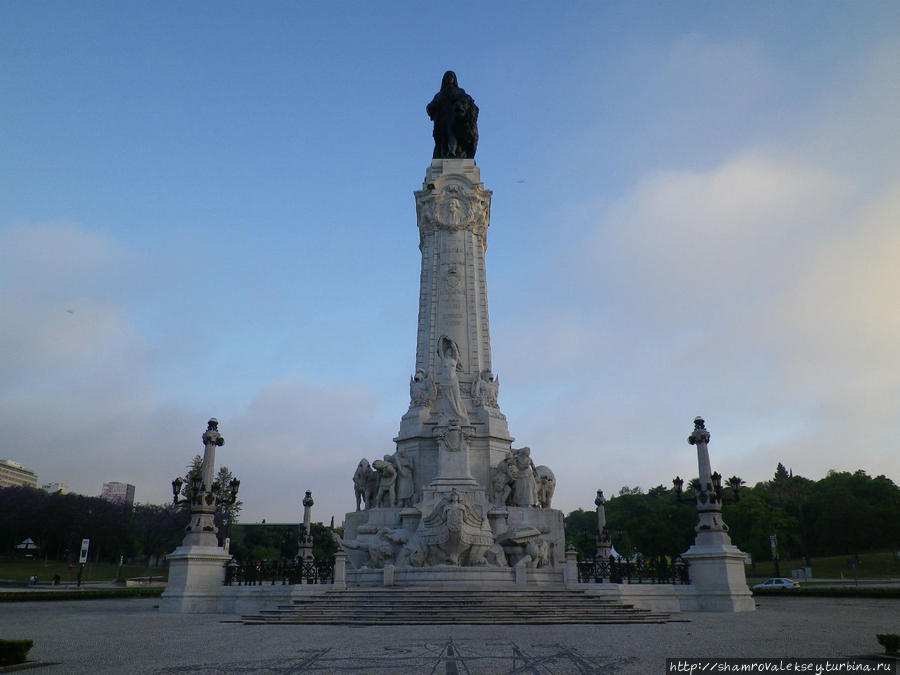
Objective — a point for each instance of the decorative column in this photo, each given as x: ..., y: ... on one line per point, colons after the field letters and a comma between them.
x: 709, y: 499
x: 604, y: 544
x: 201, y: 531
x: 197, y: 567
x: 305, y: 541
x: 716, y: 565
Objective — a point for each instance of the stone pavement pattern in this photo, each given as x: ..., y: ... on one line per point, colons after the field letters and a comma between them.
x: 130, y: 636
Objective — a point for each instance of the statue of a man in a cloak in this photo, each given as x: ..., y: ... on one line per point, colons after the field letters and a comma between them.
x: 455, y: 118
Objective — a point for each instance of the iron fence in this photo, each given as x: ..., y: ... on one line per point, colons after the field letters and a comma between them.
x: 618, y: 571
x: 284, y: 572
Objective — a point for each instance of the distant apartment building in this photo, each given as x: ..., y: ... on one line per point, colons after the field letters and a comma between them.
x: 13, y: 474
x: 118, y: 492
x: 53, y: 488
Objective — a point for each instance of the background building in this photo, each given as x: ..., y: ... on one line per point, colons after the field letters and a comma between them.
x: 118, y: 492
x: 13, y: 474
x: 62, y: 488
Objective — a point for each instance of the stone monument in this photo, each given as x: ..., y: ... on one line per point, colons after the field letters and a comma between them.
x: 196, y: 568
x: 454, y: 493
x: 717, y: 565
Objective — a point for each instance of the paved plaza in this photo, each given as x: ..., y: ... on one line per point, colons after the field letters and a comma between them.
x: 131, y: 636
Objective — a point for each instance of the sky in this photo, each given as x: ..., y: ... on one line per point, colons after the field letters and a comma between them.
x: 206, y: 209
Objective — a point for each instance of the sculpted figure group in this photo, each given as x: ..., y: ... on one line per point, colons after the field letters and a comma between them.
x: 456, y: 532
x: 516, y: 481
x: 384, y: 482
x: 424, y: 390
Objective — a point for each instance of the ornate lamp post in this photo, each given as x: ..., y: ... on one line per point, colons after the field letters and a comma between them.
x: 678, y: 484
x: 305, y: 541
x: 717, y: 485
x: 176, y: 489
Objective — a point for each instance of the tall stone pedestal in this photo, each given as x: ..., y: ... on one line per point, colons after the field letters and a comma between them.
x: 460, y: 518
x: 453, y: 378
x: 196, y: 575
x: 717, y: 573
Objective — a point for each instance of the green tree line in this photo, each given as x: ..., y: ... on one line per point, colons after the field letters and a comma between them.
x: 58, y: 522
x: 843, y: 513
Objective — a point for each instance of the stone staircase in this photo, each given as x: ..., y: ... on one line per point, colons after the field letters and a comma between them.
x: 404, y: 606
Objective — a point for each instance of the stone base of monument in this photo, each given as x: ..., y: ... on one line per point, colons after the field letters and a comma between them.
x: 718, y: 579
x: 378, y: 533
x: 457, y: 578
x: 196, y: 575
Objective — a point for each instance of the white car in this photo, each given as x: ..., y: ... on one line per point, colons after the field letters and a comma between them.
x: 778, y: 582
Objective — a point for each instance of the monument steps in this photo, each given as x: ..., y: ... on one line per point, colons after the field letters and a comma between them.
x: 399, y: 606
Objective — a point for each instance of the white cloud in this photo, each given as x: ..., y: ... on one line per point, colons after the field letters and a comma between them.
x: 296, y: 436
x: 761, y: 293
x: 61, y: 308
x: 81, y: 399
x: 714, y: 236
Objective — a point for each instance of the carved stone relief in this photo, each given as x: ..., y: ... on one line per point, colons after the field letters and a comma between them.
x: 485, y: 389
x: 422, y: 389
x: 455, y: 532
x: 454, y: 207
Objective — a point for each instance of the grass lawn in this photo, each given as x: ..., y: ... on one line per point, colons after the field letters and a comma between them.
x: 879, y: 565
x: 21, y: 570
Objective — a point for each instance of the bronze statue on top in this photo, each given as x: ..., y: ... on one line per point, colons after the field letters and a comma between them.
x: 455, y: 118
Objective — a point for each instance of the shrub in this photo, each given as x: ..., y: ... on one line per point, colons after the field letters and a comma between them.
x: 87, y: 594
x: 890, y: 642
x: 14, y: 651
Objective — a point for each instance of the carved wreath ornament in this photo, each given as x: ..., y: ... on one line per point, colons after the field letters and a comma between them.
x: 454, y: 208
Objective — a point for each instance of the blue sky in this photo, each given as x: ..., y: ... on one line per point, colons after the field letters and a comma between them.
x: 206, y: 209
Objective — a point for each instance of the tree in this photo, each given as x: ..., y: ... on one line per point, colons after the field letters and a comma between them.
x: 694, y: 486
x: 230, y: 510
x: 194, y: 473
x: 657, y: 491
x: 157, y: 529
x: 735, y: 484
x: 581, y: 532
x: 225, y: 487
x: 851, y: 513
